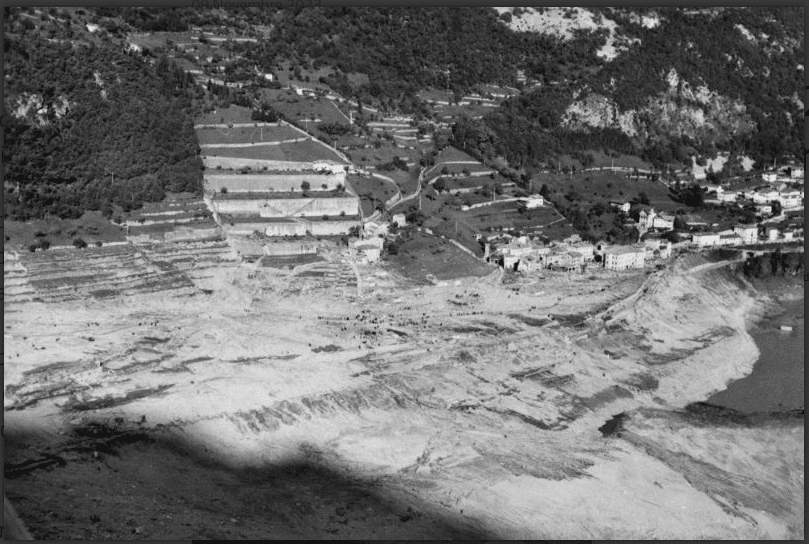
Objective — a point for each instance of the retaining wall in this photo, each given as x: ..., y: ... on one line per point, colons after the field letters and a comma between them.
x: 234, y: 163
x: 295, y: 228
x: 289, y: 207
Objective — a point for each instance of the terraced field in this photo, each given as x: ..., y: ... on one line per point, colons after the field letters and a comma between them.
x: 72, y: 274
x: 305, y: 151
x: 246, y: 135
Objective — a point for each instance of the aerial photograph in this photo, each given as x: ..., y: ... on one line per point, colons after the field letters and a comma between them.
x: 475, y: 273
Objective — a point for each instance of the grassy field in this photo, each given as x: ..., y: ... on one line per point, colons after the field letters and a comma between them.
x: 625, y: 161
x: 302, y: 108
x: 246, y: 135
x: 382, y: 155
x: 371, y: 186
x: 422, y: 255
x: 451, y: 154
x: 507, y: 215
x: 91, y: 227
x: 232, y: 114
x: 407, y: 181
x: 307, y: 151
x: 593, y: 187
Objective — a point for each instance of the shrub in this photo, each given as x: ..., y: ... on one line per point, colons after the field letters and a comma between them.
x: 99, y: 244
x: 79, y: 243
x: 223, y: 190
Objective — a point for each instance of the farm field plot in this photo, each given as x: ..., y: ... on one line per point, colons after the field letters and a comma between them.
x: 306, y: 151
x: 593, y: 187
x: 232, y: 114
x: 459, y: 169
x: 423, y: 255
x: 407, y: 181
x: 91, y: 227
x: 471, y: 182
x: 371, y: 187
x: 303, y: 108
x: 507, y: 215
x: 452, y: 154
x: 383, y: 154
x: 246, y: 135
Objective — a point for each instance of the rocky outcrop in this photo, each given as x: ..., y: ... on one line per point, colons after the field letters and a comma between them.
x: 681, y: 110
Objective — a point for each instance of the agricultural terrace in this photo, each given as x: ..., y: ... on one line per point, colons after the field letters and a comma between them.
x: 452, y: 154
x: 383, y: 152
x: 451, y: 183
x: 306, y: 151
x: 372, y: 191
x: 407, y: 182
x: 232, y: 114
x: 268, y: 182
x: 305, y: 109
x: 92, y: 227
x: 247, y: 135
x: 279, y: 195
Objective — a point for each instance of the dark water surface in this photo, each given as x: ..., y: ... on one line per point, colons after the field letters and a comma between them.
x: 776, y: 382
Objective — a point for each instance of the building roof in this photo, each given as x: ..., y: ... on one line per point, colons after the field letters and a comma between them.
x: 624, y: 250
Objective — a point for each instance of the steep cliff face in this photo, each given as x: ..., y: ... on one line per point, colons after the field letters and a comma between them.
x: 681, y: 110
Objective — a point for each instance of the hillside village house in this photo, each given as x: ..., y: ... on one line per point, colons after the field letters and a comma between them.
x: 771, y: 233
x: 651, y: 219
x: 763, y: 209
x: 368, y: 250
x: 769, y: 177
x: 623, y: 206
x: 657, y: 248
x: 705, y: 239
x: 623, y: 257
x: 534, y: 201
x: 399, y: 219
x: 730, y: 238
x: 748, y: 233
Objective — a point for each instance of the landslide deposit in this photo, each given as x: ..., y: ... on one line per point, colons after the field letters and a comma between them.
x: 286, y: 404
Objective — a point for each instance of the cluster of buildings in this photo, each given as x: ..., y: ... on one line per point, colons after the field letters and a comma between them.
x: 747, y: 234
x: 573, y: 255
x: 762, y: 197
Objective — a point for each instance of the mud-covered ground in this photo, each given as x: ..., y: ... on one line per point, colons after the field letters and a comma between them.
x: 269, y: 408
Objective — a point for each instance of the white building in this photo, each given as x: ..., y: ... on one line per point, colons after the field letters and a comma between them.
x: 368, y: 250
x: 652, y: 219
x: 534, y: 201
x: 748, y: 233
x: 623, y: 257
x: 769, y: 177
x: 399, y: 219
x: 705, y: 239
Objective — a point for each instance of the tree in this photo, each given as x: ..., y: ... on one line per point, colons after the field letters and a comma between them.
x: 305, y: 186
x: 776, y: 207
x: 440, y: 185
x: 643, y: 198
x: 79, y: 243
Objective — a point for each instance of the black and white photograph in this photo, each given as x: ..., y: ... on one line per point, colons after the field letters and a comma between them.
x: 297, y: 270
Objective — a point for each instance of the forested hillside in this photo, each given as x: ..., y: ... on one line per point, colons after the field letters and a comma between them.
x: 719, y: 80
x: 83, y: 108
x: 88, y: 124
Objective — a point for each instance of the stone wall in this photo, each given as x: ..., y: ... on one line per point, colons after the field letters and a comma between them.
x: 234, y: 163
x: 289, y: 207
x: 294, y: 228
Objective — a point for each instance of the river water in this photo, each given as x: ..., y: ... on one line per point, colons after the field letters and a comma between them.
x: 776, y: 382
